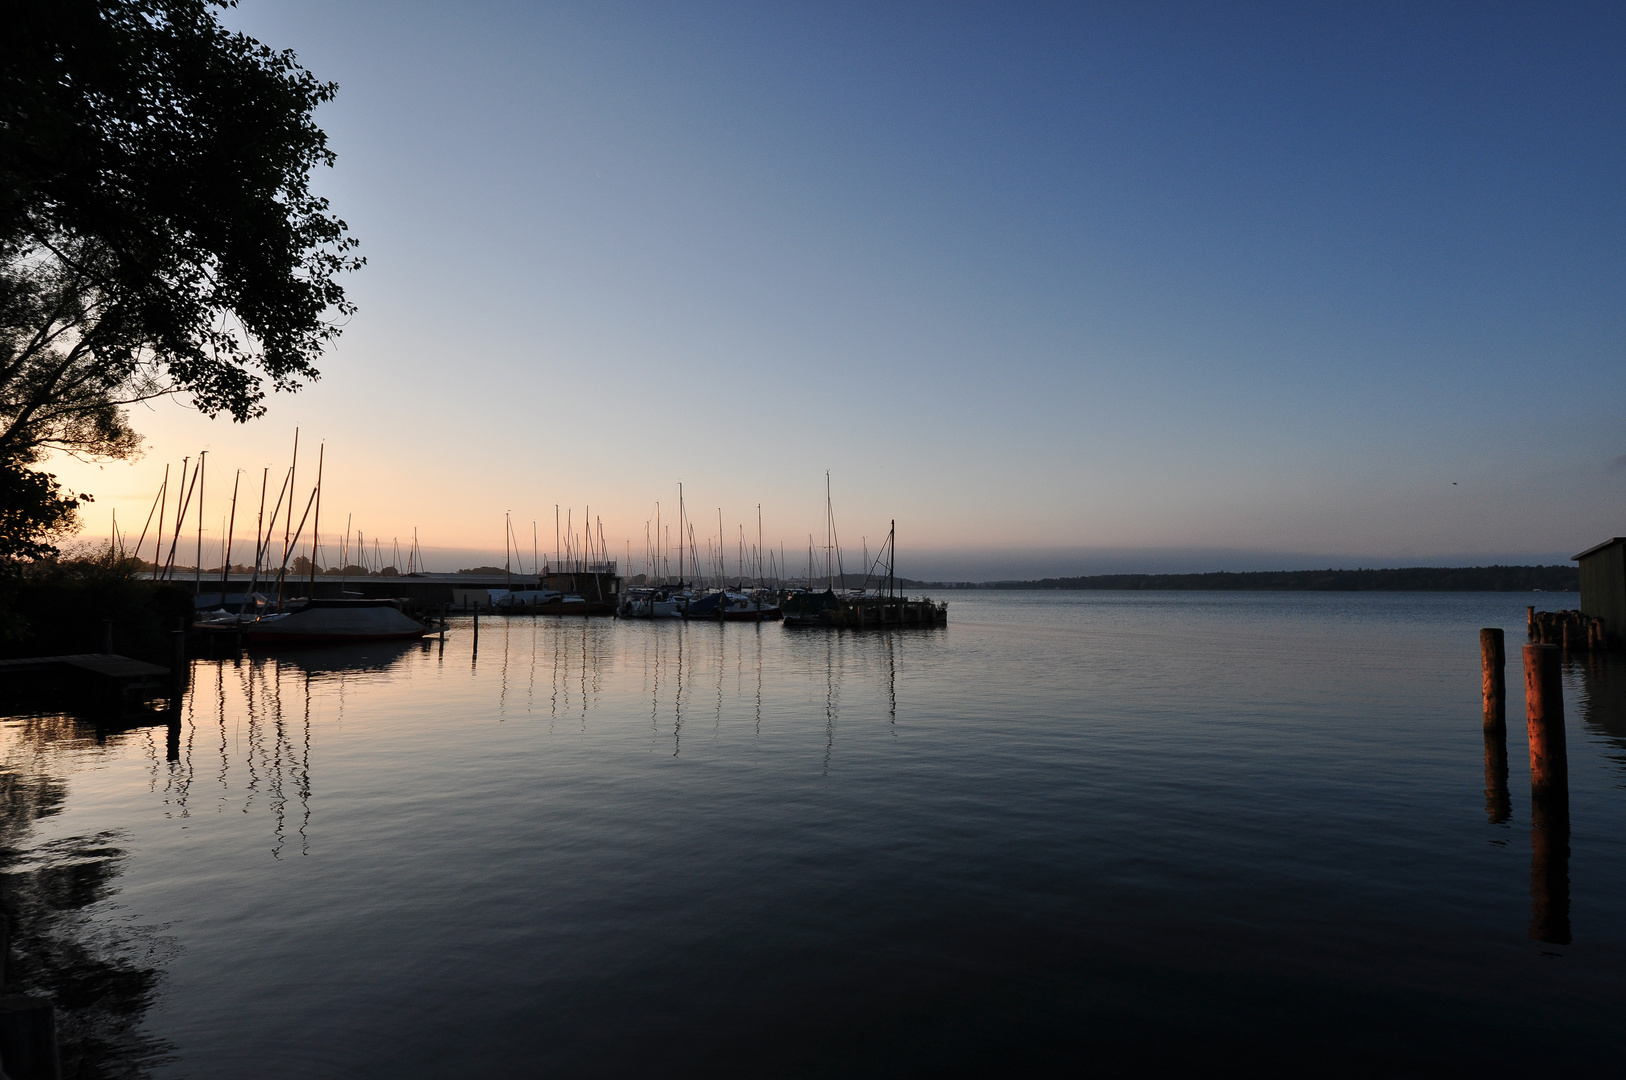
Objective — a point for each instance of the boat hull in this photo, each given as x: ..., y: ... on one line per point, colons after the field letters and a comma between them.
x: 269, y: 637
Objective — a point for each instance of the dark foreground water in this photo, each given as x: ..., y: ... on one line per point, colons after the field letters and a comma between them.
x: 1070, y: 831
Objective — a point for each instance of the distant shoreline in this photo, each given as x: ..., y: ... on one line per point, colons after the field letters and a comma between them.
x: 1405, y: 579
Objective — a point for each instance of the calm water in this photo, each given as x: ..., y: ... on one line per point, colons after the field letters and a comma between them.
x: 1107, y: 828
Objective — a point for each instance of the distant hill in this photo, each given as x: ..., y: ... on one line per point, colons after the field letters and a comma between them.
x: 1406, y: 579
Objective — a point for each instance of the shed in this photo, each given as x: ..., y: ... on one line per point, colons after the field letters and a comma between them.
x: 1603, y: 586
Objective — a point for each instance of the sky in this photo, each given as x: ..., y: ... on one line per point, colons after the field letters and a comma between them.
x: 1060, y: 289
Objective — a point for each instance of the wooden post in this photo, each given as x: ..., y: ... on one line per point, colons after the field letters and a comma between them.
x: 476, y: 625
x: 1530, y: 622
x: 107, y: 637
x: 1493, y: 678
x: 1544, y: 718
x: 28, y: 1038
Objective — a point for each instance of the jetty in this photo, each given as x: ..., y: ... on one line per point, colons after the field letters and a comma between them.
x: 830, y: 610
x: 886, y: 607
x: 103, y: 681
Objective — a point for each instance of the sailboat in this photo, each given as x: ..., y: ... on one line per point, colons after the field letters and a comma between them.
x: 335, y: 622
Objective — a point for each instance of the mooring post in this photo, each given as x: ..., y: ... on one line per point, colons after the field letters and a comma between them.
x: 1493, y: 677
x: 1544, y: 718
x: 28, y: 1038
x: 477, y: 626
x: 1530, y: 622
x: 107, y: 637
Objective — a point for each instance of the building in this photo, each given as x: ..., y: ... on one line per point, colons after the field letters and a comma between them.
x: 1603, y: 586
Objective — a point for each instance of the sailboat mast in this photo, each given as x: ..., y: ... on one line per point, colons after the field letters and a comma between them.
x: 316, y: 525
x: 163, y: 508
x: 197, y: 571
x: 225, y: 562
x: 259, y: 525
x: 288, y: 523
x: 344, y: 553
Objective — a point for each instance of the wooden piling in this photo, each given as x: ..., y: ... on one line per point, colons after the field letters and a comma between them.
x: 1544, y: 720
x: 28, y: 1038
x: 1530, y: 622
x: 1493, y: 677
x: 107, y: 637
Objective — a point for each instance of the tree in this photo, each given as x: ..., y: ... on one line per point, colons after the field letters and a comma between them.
x: 33, y: 511
x: 158, y: 235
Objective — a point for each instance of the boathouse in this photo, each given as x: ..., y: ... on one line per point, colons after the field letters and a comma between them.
x: 1603, y: 587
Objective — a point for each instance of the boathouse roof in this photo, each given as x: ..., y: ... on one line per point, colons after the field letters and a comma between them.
x: 1595, y: 548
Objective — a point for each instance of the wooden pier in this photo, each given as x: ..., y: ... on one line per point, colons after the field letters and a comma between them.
x: 862, y: 612
x: 103, y: 681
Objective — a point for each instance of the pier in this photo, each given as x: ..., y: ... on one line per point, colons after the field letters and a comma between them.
x: 109, y: 683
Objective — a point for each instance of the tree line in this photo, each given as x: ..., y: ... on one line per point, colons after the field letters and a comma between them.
x: 1403, y: 579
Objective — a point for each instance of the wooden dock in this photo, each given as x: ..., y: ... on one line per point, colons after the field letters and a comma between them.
x: 103, y: 680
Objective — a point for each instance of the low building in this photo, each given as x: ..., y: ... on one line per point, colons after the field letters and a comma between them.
x: 1603, y: 586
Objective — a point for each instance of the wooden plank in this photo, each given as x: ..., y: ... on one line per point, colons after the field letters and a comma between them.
x: 116, y: 667
x: 110, y: 667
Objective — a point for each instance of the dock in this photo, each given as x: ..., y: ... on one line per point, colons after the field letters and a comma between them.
x: 103, y: 680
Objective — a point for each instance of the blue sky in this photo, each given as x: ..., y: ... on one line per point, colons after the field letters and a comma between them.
x: 1061, y: 288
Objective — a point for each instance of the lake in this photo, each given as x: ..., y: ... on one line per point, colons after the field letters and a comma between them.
x: 1101, y: 829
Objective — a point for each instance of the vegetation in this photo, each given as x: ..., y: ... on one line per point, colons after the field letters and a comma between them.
x: 56, y: 606
x: 1407, y: 579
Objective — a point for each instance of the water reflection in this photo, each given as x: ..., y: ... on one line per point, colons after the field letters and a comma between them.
x: 1603, y: 699
x: 103, y: 975
x: 1498, y: 800
x: 253, y: 715
x: 1550, y: 869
